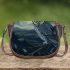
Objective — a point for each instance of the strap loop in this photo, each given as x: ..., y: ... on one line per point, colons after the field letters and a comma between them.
x: 65, y: 41
x: 2, y: 43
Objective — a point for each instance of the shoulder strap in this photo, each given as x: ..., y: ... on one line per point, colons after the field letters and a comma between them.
x: 65, y: 40
x: 3, y: 35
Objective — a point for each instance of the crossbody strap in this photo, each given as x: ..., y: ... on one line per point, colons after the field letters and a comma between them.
x: 2, y: 43
x: 65, y: 40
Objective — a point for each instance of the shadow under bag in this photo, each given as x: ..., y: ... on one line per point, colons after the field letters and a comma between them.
x: 35, y: 39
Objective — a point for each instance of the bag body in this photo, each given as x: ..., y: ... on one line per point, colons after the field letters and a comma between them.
x: 30, y: 39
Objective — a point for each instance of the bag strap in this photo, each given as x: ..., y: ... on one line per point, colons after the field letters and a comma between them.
x: 65, y: 40
x: 2, y: 43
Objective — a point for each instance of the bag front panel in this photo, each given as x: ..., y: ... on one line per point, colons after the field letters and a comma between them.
x: 34, y: 40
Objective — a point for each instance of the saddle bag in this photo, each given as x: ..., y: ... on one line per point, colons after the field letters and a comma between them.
x: 35, y: 39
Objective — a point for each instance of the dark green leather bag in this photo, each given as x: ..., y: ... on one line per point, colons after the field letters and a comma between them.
x: 35, y: 39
